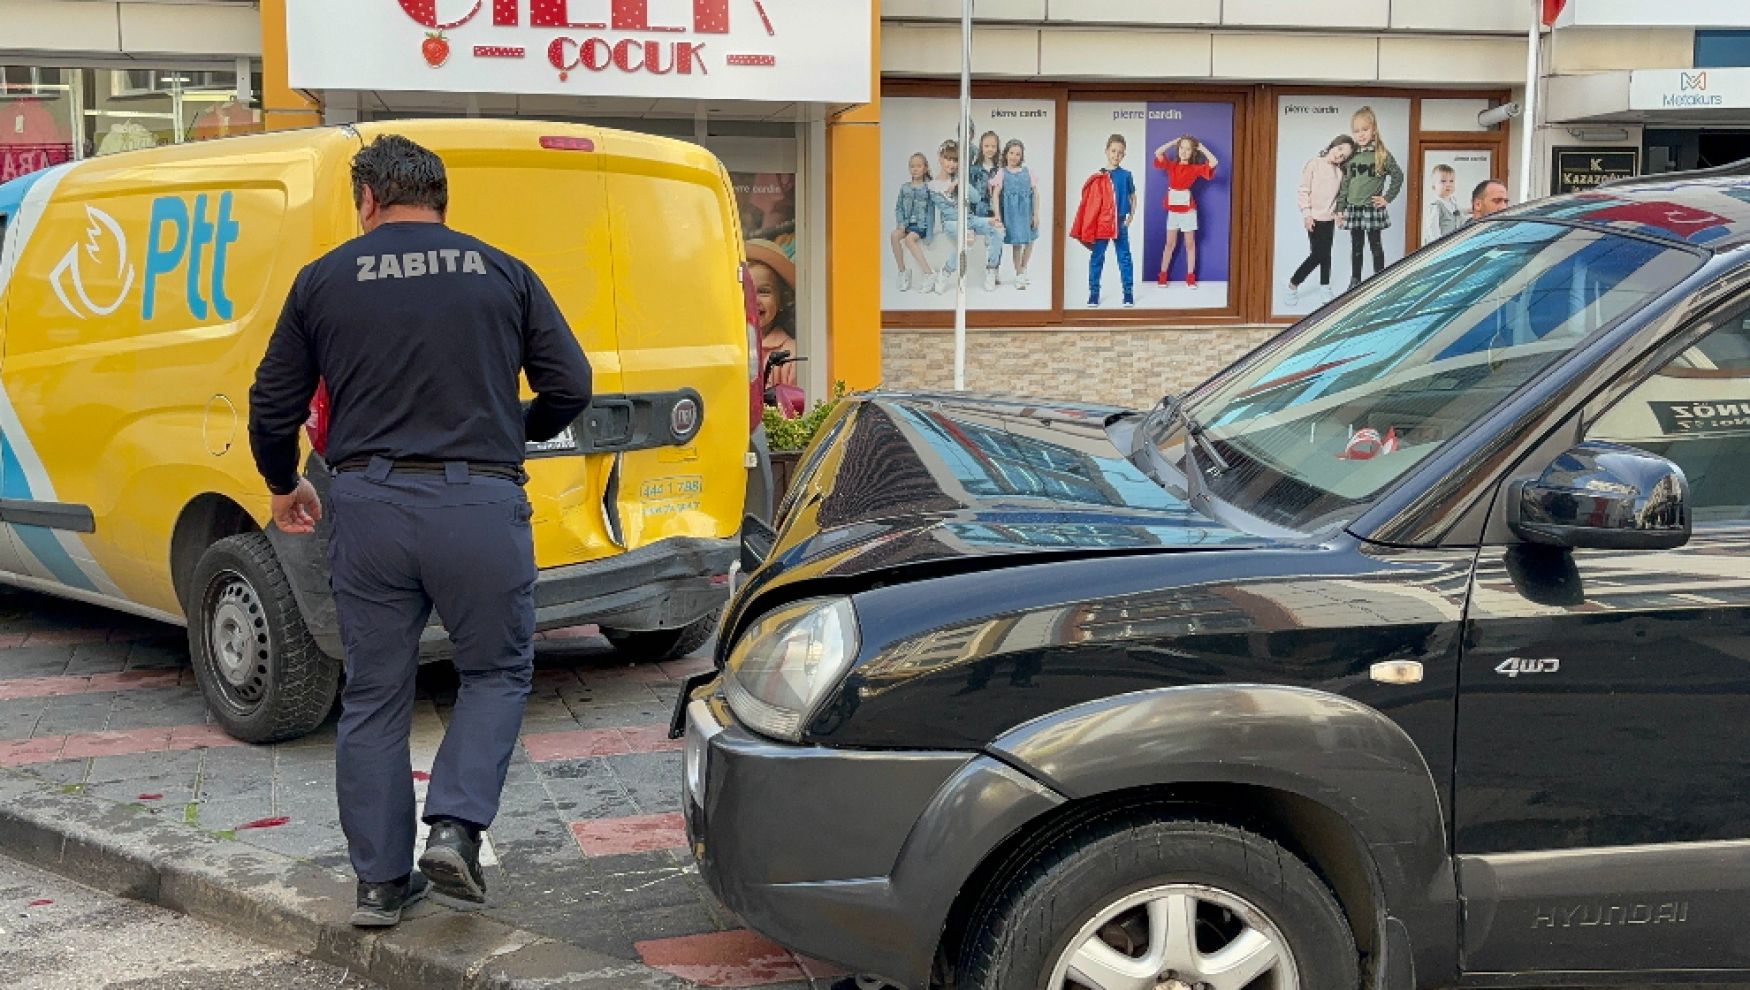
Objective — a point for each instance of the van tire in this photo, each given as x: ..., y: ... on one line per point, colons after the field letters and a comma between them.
x: 242, y: 615
x: 663, y: 644
x: 1026, y: 928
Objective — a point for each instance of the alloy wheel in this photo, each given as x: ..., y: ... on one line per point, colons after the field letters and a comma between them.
x: 1177, y: 937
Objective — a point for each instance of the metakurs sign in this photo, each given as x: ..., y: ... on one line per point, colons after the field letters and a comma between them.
x: 767, y: 50
x: 1689, y: 89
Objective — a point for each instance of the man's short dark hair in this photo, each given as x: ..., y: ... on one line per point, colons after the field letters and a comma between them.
x: 1483, y: 188
x: 400, y: 173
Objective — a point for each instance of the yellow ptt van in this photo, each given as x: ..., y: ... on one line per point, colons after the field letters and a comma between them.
x: 137, y: 295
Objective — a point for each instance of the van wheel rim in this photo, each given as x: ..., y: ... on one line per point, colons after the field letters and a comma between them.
x: 1177, y: 937
x: 239, y: 648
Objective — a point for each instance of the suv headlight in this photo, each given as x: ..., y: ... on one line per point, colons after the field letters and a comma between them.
x: 784, y: 666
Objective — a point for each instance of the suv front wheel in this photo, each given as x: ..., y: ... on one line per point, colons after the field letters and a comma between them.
x: 264, y: 678
x: 1128, y: 902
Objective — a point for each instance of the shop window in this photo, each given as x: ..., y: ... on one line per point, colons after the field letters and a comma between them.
x: 1722, y: 49
x: 1012, y: 173
x: 767, y: 202
x: 36, y: 119
x: 145, y: 108
x: 1171, y: 171
x: 51, y: 115
x: 1159, y: 204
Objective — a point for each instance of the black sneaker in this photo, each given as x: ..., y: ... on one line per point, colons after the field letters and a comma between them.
x: 452, y: 861
x: 380, y: 904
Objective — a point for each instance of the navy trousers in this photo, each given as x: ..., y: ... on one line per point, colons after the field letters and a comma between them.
x: 401, y: 544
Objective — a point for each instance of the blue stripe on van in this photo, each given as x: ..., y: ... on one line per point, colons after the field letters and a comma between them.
x: 40, y: 542
x: 12, y: 193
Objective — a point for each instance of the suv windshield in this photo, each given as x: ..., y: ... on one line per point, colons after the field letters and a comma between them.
x: 1320, y: 425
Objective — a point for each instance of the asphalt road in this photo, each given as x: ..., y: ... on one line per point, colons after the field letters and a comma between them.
x: 57, y: 935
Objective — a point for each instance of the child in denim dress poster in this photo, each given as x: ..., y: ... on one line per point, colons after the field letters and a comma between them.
x: 981, y: 181
x: 946, y: 191
x: 914, y: 214
x: 1017, y: 194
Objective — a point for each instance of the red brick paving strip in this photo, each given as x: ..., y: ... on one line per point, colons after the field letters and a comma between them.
x: 83, y: 745
x: 66, y: 637
x: 545, y: 747
x: 619, y: 836
x: 722, y: 959
x: 127, y: 680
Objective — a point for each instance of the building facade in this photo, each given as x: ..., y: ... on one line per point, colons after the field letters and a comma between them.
x: 1264, y: 90
x: 1637, y: 88
x: 79, y: 80
x: 835, y: 119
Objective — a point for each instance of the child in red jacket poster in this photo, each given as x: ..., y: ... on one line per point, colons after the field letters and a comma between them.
x: 1108, y: 206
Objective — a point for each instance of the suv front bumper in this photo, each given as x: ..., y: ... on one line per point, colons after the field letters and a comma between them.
x: 854, y: 857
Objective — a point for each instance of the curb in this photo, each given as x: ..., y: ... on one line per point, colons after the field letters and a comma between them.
x: 269, y: 897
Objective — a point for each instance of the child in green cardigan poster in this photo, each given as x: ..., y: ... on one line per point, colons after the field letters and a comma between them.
x: 1364, y: 200
x: 1372, y: 182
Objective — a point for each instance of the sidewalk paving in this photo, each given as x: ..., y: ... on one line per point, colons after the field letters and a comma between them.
x: 588, y: 849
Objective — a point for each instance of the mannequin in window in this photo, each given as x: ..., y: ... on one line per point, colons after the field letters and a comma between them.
x: 31, y: 139
x: 224, y: 120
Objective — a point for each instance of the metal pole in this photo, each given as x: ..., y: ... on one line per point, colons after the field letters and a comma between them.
x: 966, y: 153
x: 1532, y: 78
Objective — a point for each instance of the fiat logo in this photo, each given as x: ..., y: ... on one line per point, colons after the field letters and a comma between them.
x: 684, y: 418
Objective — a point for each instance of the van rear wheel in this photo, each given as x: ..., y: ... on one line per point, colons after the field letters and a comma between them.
x: 264, y: 678
x: 662, y: 644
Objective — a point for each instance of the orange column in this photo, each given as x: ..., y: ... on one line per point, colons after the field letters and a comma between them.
x: 854, y: 234
x: 282, y: 107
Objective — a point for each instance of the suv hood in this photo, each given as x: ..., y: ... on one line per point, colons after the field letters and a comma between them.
x: 951, y: 482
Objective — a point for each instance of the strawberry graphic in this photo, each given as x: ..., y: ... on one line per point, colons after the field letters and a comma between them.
x: 435, y: 48
x: 425, y: 13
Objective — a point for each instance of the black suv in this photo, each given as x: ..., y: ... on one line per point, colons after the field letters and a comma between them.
x: 1413, y: 650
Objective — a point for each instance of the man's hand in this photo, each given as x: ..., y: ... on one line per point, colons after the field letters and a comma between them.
x: 298, y: 512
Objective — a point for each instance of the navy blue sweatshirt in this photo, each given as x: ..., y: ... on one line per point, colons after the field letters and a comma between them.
x: 420, y: 333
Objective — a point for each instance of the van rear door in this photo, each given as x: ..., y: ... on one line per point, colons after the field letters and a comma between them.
x: 535, y: 191
x: 682, y: 322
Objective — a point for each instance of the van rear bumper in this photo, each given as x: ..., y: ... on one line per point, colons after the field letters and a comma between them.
x: 665, y: 585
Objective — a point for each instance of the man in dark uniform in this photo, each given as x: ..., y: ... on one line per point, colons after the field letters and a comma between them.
x: 419, y: 333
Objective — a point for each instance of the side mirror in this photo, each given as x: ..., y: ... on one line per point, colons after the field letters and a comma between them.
x: 1603, y: 496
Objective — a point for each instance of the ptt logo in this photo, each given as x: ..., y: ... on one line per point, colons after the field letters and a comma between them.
x: 190, y: 237
x: 96, y: 247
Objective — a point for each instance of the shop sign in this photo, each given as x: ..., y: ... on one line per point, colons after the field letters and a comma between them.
x: 1689, y: 14
x: 772, y: 50
x: 1583, y: 169
x: 1689, y: 89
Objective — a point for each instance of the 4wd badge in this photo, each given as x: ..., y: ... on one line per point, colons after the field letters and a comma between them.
x: 1514, y: 666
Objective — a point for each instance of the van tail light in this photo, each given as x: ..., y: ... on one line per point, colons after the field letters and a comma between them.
x: 756, y: 391
x: 553, y: 142
x: 317, y: 425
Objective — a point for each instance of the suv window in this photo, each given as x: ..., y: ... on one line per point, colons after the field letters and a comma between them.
x: 1696, y: 412
x: 1324, y: 423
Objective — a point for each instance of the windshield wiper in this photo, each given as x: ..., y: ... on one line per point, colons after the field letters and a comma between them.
x: 1159, y: 425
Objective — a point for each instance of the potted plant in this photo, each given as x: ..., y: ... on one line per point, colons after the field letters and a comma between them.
x: 789, y: 438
